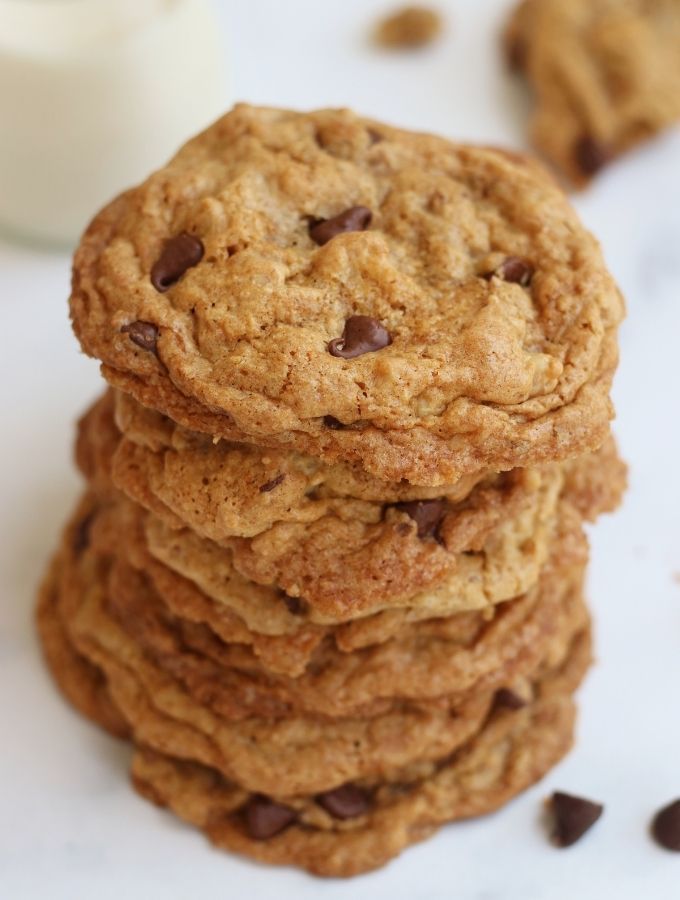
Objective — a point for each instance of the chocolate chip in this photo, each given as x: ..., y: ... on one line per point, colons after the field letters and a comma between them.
x: 265, y: 818
x: 517, y: 54
x: 144, y: 334
x: 345, y: 802
x: 507, y: 699
x: 573, y: 817
x: 666, y: 826
x: 332, y: 422
x: 296, y: 606
x: 270, y: 485
x: 515, y: 270
x: 356, y: 218
x: 590, y: 154
x: 375, y: 136
x: 81, y: 534
x: 362, y: 334
x: 178, y: 254
x: 427, y: 514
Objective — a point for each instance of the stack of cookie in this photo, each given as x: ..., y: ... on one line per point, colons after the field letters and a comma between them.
x: 328, y: 571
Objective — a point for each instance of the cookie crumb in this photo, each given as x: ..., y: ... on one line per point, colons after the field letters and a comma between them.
x: 410, y: 27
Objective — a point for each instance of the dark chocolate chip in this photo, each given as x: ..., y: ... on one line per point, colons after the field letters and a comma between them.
x: 517, y: 54
x: 507, y: 699
x: 515, y: 270
x: 362, y: 334
x: 296, y: 606
x: 590, y: 154
x: 265, y: 818
x: 356, y: 218
x: 274, y: 483
x: 345, y: 802
x: 144, y: 334
x: 332, y: 422
x: 427, y: 514
x: 81, y: 534
x: 573, y: 816
x: 666, y: 826
x: 375, y: 136
x: 178, y: 254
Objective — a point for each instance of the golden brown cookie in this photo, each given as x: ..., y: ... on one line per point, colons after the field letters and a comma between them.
x: 358, y: 825
x: 81, y: 683
x: 366, y: 826
x: 294, y: 756
x: 328, y: 284
x: 605, y: 75
x: 177, y: 705
x: 342, y: 557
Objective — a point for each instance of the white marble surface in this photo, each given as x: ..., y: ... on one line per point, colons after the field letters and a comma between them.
x: 70, y: 827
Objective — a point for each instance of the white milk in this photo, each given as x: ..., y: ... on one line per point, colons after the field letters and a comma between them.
x: 94, y: 94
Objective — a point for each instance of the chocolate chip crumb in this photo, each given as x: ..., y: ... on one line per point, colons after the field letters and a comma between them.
x: 81, y: 534
x: 143, y: 334
x: 332, y: 422
x: 507, y: 699
x: 573, y: 816
x: 356, y: 218
x: 362, y: 334
x: 179, y: 253
x: 345, y: 802
x: 666, y: 827
x: 274, y: 483
x: 591, y: 155
x: 296, y: 606
x: 427, y: 514
x: 408, y: 28
x: 265, y: 818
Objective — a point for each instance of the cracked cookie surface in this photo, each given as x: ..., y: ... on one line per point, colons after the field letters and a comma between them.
x: 463, y: 321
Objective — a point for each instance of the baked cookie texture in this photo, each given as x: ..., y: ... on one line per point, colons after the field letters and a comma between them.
x: 327, y: 574
x: 605, y: 75
x: 482, y: 320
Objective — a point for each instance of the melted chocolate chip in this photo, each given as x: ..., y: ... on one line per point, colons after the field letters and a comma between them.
x: 345, y: 802
x: 332, y: 422
x: 356, y: 218
x: 144, y: 334
x: 515, y: 270
x: 590, y: 154
x: 274, y: 483
x: 296, y: 606
x: 178, y: 254
x: 427, y: 514
x: 265, y: 818
x: 573, y: 817
x: 666, y: 826
x: 362, y: 334
x: 507, y: 699
x: 517, y: 55
x: 81, y: 534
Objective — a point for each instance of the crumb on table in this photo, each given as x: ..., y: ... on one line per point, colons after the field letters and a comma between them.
x: 412, y: 26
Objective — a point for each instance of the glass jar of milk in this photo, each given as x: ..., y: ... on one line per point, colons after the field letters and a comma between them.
x: 94, y: 94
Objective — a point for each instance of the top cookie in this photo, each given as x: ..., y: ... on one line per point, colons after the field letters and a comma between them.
x: 330, y: 284
x: 606, y: 75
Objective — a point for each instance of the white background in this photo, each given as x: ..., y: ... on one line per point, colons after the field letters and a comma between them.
x: 70, y: 826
